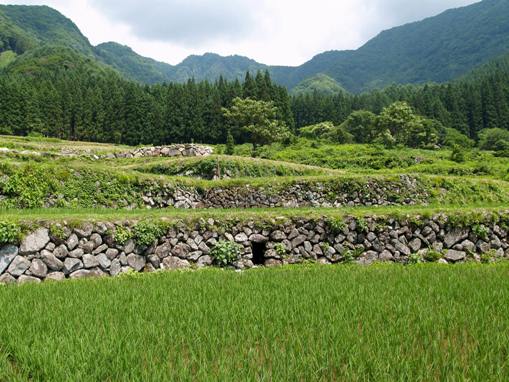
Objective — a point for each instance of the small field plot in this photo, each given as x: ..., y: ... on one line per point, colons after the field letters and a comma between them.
x: 380, y: 323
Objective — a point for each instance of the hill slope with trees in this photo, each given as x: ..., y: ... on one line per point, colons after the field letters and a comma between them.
x: 437, y: 49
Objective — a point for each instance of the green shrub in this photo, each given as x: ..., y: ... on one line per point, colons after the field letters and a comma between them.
x: 230, y: 144
x: 362, y: 225
x: 57, y: 231
x: 147, y: 232
x: 226, y: 253
x: 414, y: 259
x: 488, y: 257
x: 10, y: 233
x: 122, y: 235
x: 280, y: 249
x: 336, y: 225
x: 481, y: 231
x: 452, y: 137
x: 457, y: 155
x: 494, y: 139
x: 432, y: 256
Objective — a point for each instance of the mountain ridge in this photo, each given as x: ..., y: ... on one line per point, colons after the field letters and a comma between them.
x: 436, y: 49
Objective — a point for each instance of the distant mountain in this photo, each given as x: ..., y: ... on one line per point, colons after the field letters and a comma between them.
x: 210, y: 66
x: 207, y: 67
x: 24, y: 27
x: 320, y: 83
x: 436, y: 49
x: 132, y: 65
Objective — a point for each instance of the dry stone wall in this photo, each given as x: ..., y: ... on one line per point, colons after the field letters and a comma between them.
x: 189, y: 150
x: 404, y: 190
x: 92, y: 250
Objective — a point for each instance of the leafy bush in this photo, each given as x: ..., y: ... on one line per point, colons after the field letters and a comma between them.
x: 414, y: 259
x: 336, y: 225
x: 494, y: 139
x: 457, y: 155
x: 481, y: 231
x: 317, y: 131
x: 57, y: 231
x: 10, y: 233
x: 27, y: 187
x: 230, y: 144
x: 147, y: 232
x: 280, y: 249
x: 226, y: 253
x: 452, y: 137
x: 362, y: 126
x: 432, y: 256
x: 122, y: 235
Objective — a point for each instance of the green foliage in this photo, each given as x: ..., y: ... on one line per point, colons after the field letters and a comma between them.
x: 57, y: 231
x: 362, y: 125
x: 230, y: 144
x: 407, y: 128
x: 148, y: 232
x: 258, y: 120
x: 457, y: 154
x: 318, y: 131
x: 10, y: 233
x: 481, y: 231
x: 28, y: 187
x: 488, y: 257
x: 318, y: 84
x: 122, y: 235
x: 452, y: 138
x: 414, y: 259
x: 432, y: 256
x: 280, y: 249
x: 327, y: 130
x: 226, y: 253
x: 494, y: 139
x: 336, y: 225
x: 362, y: 225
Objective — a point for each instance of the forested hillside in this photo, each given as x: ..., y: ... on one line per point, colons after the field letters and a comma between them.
x: 73, y: 98
x: 437, y: 49
x: 477, y: 101
x: 79, y: 103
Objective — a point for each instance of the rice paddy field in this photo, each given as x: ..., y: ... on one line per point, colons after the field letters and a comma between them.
x: 379, y: 323
x: 385, y: 322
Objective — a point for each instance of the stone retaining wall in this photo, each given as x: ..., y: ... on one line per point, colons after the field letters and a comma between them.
x: 188, y: 150
x: 405, y: 190
x: 91, y: 250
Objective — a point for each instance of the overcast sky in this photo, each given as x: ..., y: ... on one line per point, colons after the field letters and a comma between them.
x: 282, y: 32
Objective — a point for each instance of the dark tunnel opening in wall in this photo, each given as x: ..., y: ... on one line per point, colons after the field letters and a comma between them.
x: 259, y: 253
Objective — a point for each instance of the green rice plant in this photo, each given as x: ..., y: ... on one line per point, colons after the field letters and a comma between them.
x: 255, y: 325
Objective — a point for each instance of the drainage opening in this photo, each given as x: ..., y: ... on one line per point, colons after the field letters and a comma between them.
x: 258, y: 253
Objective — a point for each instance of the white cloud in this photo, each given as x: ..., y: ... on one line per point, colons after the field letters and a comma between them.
x: 283, y: 32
